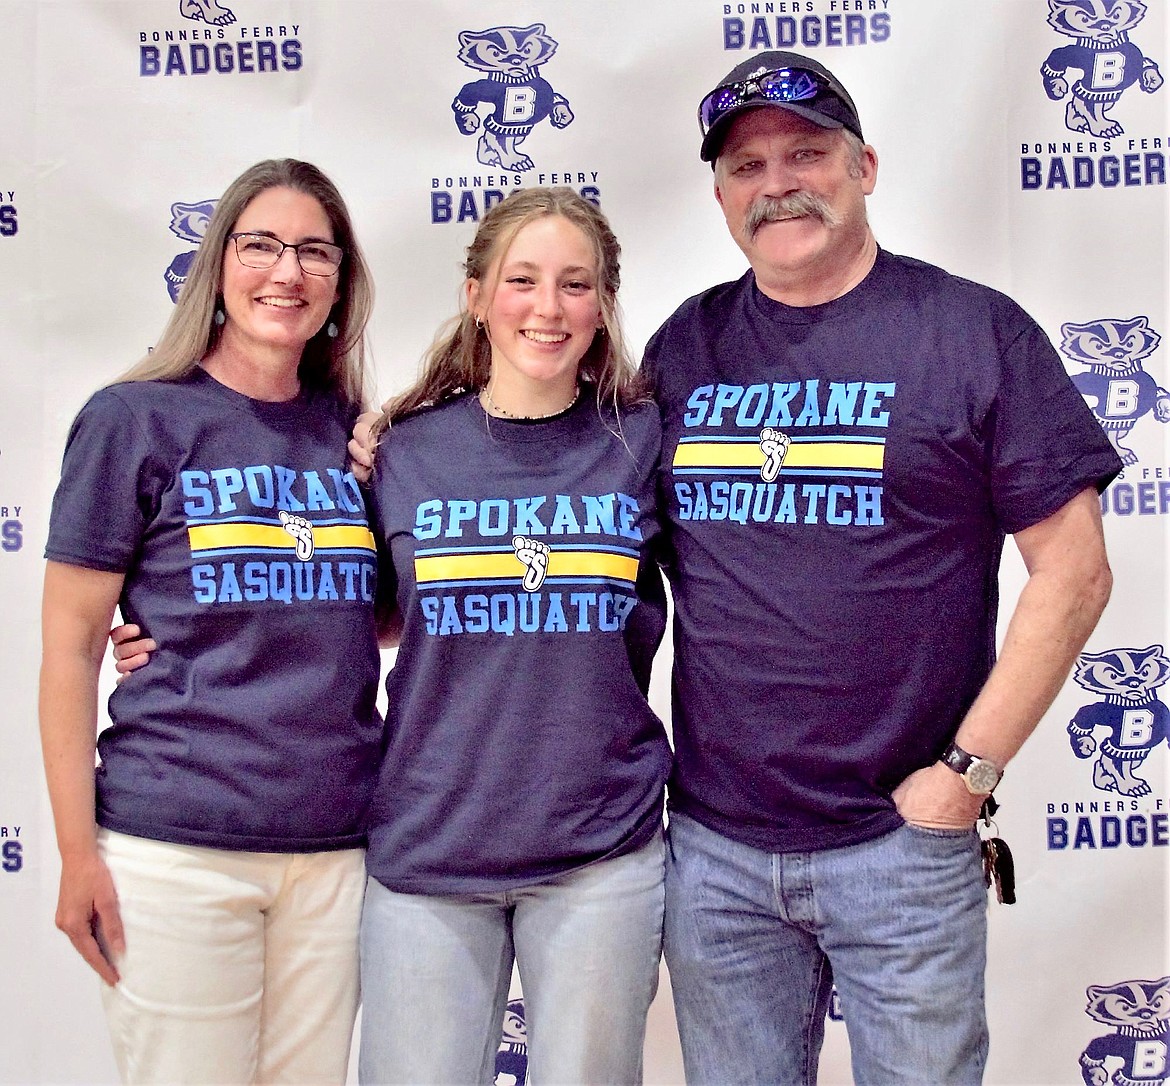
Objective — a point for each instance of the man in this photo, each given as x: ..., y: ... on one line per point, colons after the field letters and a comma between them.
x: 849, y: 435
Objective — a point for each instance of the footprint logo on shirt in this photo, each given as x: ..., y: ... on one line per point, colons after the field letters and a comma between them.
x: 533, y: 555
x: 774, y: 445
x: 301, y: 530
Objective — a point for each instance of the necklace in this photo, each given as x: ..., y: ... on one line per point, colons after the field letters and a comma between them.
x: 529, y: 418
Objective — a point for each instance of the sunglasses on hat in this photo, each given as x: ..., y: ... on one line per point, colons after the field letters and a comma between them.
x: 779, y: 85
x: 815, y: 95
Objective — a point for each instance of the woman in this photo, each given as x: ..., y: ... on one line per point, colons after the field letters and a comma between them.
x: 212, y: 872
x: 518, y: 810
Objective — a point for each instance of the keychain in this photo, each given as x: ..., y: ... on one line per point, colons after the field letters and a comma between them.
x: 998, y: 865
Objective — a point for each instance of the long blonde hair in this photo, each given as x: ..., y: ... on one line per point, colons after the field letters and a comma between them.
x: 460, y: 358
x: 336, y: 364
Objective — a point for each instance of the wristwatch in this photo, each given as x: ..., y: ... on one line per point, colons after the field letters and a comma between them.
x: 979, y: 775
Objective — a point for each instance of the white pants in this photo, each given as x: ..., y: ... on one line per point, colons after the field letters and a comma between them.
x: 240, y: 967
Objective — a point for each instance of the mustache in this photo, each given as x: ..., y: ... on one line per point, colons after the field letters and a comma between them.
x: 799, y: 205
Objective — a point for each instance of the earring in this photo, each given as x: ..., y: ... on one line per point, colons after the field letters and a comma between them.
x: 478, y: 323
x: 220, y: 317
x: 331, y: 330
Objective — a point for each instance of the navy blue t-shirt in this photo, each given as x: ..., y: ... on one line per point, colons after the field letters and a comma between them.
x: 519, y: 742
x: 838, y: 481
x: 248, y: 558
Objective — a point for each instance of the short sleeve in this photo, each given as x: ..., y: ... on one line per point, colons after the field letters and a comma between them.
x: 108, y: 492
x: 1046, y: 445
x: 649, y: 366
x: 387, y: 576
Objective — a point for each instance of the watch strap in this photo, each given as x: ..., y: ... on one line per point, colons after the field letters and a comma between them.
x: 957, y: 758
x: 980, y: 775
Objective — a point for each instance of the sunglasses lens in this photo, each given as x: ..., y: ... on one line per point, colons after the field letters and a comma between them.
x: 782, y: 85
x: 788, y: 86
x: 717, y: 103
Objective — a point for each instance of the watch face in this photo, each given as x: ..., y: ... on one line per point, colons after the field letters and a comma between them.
x: 982, y: 776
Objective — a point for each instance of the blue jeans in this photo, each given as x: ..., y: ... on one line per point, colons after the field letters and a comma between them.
x: 436, y: 972
x: 755, y: 940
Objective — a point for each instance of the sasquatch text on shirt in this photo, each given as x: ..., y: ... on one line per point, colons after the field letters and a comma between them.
x: 839, y: 426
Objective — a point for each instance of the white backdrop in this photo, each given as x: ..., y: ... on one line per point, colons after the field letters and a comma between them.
x: 115, y: 111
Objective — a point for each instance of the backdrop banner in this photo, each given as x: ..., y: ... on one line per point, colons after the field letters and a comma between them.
x: 1022, y: 144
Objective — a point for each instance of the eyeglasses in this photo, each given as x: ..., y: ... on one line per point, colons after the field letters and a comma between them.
x: 778, y: 85
x: 265, y: 251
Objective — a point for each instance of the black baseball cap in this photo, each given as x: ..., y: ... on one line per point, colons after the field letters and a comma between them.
x: 776, y: 78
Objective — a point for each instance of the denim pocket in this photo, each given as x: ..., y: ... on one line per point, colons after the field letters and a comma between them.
x: 940, y: 831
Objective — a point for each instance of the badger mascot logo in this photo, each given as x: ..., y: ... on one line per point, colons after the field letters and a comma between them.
x: 514, y: 94
x: 1116, y: 386
x: 1127, y: 681
x: 512, y: 1055
x: 206, y: 11
x: 1138, y: 1011
x: 1108, y: 61
x: 188, y: 223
